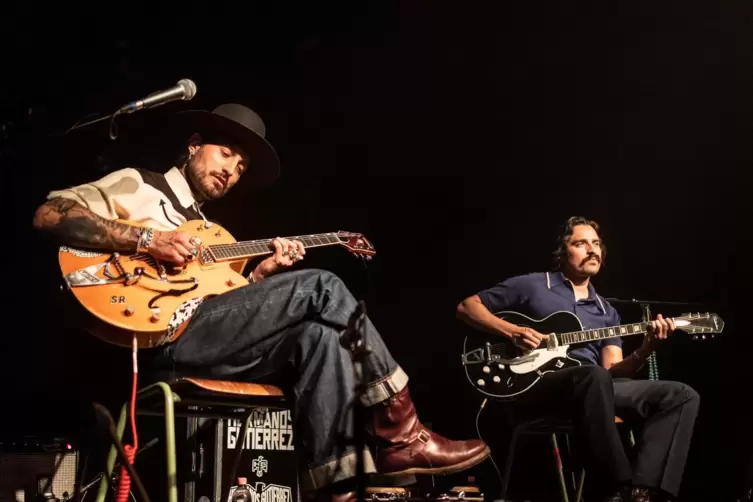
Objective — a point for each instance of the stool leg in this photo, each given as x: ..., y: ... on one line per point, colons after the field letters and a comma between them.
x: 578, y: 487
x: 560, y: 471
x: 102, y: 493
x: 172, y: 470
x: 579, y: 493
x: 507, y: 469
x: 172, y: 483
x: 239, y: 451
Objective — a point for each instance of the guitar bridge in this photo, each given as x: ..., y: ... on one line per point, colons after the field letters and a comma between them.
x: 476, y: 356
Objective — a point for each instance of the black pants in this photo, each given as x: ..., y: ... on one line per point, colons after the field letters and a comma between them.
x: 662, y: 413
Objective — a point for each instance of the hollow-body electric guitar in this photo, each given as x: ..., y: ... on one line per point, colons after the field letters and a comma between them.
x: 134, y: 295
x: 500, y: 370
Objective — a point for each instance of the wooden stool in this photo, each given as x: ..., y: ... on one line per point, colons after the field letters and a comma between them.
x: 194, y: 397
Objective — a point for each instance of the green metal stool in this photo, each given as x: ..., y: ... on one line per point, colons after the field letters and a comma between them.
x: 548, y: 426
x: 194, y: 397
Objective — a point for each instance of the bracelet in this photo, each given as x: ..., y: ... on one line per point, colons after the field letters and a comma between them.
x: 145, y: 240
x: 252, y: 278
x: 641, y: 360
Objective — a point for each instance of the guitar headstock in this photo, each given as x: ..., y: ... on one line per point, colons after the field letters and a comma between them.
x: 700, y: 325
x: 357, y: 244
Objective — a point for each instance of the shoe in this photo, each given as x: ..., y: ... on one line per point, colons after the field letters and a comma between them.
x: 405, y: 446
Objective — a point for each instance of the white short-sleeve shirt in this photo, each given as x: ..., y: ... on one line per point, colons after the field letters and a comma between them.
x: 124, y: 195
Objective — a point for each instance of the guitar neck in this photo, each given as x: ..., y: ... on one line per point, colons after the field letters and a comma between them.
x: 693, y: 324
x: 250, y: 249
x: 591, y: 335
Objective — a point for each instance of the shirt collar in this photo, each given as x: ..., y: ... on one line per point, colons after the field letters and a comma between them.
x: 559, y: 279
x: 180, y: 186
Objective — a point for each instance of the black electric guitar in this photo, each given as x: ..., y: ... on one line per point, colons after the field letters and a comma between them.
x: 500, y: 370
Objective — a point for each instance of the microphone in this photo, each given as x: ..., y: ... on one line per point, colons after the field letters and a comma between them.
x: 184, y: 89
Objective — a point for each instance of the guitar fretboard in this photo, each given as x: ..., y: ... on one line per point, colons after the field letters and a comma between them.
x: 602, y: 333
x: 249, y: 249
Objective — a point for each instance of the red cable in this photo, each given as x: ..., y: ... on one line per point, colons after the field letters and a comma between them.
x: 124, y: 487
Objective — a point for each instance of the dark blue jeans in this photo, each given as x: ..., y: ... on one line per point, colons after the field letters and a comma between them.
x: 286, y: 330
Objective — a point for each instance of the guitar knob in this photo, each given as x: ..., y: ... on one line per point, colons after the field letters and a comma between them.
x: 481, y: 382
x: 496, y: 379
x: 230, y: 282
x: 155, y: 317
x: 486, y: 369
x: 129, y: 310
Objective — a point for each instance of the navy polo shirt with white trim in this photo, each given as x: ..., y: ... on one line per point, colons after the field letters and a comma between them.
x: 541, y: 294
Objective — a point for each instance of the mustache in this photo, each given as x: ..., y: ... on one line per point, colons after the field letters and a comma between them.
x: 591, y: 256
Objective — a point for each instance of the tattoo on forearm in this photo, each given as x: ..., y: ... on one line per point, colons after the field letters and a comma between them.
x: 77, y: 226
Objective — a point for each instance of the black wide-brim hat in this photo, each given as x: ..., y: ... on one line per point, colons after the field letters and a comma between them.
x: 242, y: 126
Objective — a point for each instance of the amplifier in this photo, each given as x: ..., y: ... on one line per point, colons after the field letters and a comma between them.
x: 268, y: 461
x: 28, y: 466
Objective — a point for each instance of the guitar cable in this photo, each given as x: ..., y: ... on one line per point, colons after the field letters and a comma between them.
x: 478, y: 431
x: 124, y: 487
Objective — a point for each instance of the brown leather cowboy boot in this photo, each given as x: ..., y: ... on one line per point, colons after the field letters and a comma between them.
x: 405, y: 446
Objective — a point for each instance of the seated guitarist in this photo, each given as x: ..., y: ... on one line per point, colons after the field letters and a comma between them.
x: 283, y: 327
x: 593, y: 393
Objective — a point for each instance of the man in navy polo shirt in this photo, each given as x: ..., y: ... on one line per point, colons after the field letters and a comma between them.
x: 593, y: 393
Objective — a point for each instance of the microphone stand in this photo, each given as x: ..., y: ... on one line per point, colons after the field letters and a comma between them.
x: 354, y: 339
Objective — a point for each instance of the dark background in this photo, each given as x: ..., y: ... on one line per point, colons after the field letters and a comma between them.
x: 456, y: 136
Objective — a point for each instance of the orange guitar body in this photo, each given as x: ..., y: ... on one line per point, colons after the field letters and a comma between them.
x: 137, y: 306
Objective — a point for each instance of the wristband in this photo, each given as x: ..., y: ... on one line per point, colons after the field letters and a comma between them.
x: 145, y: 240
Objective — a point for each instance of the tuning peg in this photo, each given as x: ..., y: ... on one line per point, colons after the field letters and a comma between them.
x: 685, y: 314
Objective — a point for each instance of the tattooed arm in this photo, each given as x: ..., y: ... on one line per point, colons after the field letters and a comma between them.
x: 75, y: 225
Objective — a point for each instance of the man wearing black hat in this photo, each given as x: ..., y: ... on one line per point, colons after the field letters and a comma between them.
x: 282, y: 327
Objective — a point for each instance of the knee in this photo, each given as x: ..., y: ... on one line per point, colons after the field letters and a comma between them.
x: 313, y: 333
x: 325, y: 277
x: 685, y: 394
x: 593, y: 374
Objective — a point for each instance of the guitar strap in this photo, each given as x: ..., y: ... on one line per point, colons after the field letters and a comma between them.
x: 158, y: 181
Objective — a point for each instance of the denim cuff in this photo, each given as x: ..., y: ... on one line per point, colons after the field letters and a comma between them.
x: 383, y: 389
x: 339, y: 469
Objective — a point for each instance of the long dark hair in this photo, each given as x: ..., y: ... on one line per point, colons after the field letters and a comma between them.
x: 559, y: 255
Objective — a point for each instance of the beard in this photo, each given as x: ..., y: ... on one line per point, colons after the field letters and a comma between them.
x: 201, y: 182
